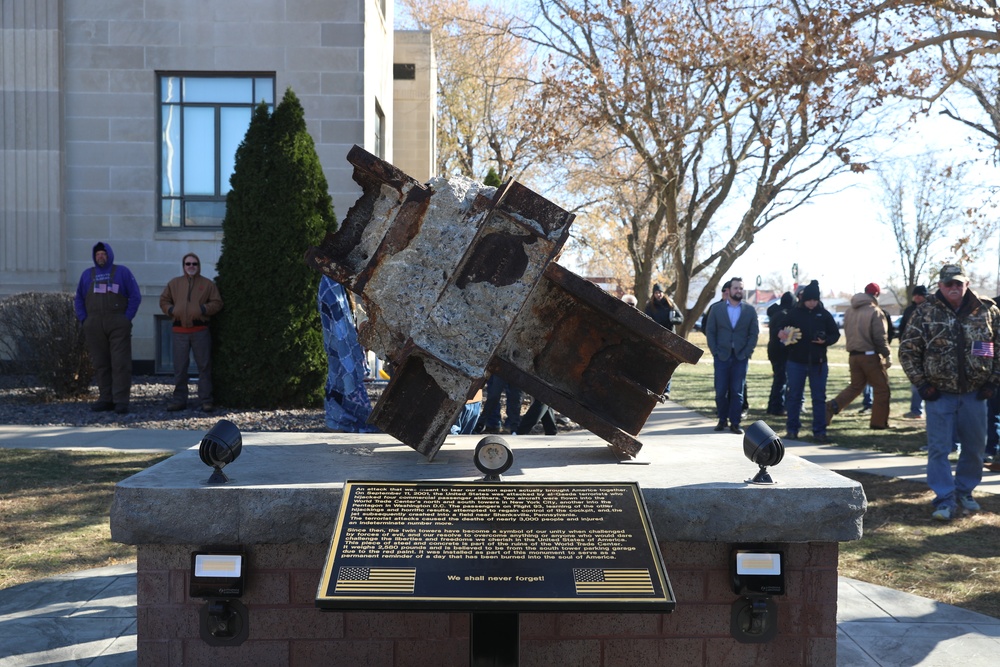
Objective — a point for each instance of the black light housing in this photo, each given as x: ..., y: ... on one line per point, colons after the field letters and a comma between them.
x: 220, y: 447
x: 762, y: 446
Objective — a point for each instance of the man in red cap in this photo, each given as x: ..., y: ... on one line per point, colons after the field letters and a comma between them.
x: 866, y: 330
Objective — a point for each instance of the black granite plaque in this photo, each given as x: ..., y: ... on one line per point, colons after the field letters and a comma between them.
x: 494, y: 546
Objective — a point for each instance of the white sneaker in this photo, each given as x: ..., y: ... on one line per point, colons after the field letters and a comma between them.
x: 969, y: 503
x: 942, y: 513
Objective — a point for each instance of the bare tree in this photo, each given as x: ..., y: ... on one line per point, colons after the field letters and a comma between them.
x: 489, y: 114
x: 928, y: 208
x: 723, y: 107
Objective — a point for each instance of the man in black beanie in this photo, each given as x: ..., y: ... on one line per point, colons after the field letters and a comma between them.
x: 808, y: 330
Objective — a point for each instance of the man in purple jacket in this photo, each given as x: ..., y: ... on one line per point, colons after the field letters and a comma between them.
x: 107, y: 298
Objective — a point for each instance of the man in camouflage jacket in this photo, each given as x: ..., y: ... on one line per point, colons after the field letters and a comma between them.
x: 948, y: 352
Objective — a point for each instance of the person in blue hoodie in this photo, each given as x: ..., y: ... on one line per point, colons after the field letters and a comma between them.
x: 107, y: 299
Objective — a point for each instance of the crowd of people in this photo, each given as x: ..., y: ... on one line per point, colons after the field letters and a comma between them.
x: 947, y: 348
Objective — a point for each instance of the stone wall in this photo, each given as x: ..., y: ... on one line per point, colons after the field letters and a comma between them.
x: 286, y: 628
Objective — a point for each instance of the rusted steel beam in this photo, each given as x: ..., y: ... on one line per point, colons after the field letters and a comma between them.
x: 457, y: 277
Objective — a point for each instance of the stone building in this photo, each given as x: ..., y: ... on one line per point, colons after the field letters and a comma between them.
x: 119, y: 121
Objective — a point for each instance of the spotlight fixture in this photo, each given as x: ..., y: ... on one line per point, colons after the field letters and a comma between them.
x: 221, y: 446
x: 762, y: 446
x: 493, y: 457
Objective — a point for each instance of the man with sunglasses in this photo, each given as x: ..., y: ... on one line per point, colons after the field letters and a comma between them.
x: 191, y: 300
x: 948, y: 352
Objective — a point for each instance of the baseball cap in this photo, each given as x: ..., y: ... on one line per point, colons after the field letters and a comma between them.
x: 952, y: 272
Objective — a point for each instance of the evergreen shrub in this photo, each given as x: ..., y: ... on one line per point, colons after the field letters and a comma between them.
x: 268, y: 340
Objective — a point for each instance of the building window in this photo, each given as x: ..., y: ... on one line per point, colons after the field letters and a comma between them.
x: 404, y: 71
x: 163, y: 363
x: 379, y: 131
x: 203, y: 119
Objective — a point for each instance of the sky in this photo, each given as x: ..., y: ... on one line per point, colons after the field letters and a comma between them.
x: 839, y: 240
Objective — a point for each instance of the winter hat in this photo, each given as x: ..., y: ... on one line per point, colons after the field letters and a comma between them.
x: 656, y: 288
x: 811, y: 291
x: 787, y: 300
x: 872, y: 289
x: 920, y: 290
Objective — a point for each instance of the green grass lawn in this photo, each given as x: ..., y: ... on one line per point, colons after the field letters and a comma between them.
x: 692, y: 387
x: 902, y: 548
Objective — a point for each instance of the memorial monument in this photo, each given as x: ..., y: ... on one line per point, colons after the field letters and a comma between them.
x: 458, y: 281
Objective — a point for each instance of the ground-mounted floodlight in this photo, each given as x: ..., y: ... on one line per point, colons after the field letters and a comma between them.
x: 220, y: 447
x: 757, y: 573
x: 762, y: 446
x: 219, y: 577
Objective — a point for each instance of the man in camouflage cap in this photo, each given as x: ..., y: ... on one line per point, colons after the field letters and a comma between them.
x: 948, y: 352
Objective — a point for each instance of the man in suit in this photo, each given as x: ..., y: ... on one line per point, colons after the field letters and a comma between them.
x: 732, y: 331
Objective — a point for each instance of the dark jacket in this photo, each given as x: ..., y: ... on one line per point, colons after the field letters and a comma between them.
x: 663, y: 313
x: 120, y: 281
x: 776, y: 314
x: 812, y: 323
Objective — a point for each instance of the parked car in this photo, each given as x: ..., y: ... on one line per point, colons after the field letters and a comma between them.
x: 839, y: 319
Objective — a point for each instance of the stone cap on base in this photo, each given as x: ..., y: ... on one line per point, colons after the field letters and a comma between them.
x: 286, y: 488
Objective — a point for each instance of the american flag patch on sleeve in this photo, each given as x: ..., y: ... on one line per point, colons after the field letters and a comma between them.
x: 982, y: 349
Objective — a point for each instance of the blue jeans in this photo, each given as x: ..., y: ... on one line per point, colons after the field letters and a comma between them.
x: 797, y: 374
x: 729, y: 378
x: 915, y: 401
x: 496, y: 387
x: 993, y: 425
x: 467, y: 418
x: 952, y: 414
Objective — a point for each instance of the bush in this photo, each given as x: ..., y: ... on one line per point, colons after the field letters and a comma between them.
x: 40, y: 336
x: 268, y: 339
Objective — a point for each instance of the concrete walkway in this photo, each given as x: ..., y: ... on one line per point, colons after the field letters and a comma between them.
x: 89, y: 618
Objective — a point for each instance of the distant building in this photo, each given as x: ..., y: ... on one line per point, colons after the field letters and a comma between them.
x: 121, y: 120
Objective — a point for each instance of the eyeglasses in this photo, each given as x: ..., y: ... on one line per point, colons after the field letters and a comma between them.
x: 190, y: 263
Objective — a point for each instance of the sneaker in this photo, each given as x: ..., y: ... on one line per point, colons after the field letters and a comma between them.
x: 913, y: 415
x: 721, y: 426
x: 121, y: 408
x: 174, y: 406
x: 988, y: 459
x: 864, y: 410
x: 102, y: 406
x: 207, y: 406
x: 942, y: 513
x: 969, y: 503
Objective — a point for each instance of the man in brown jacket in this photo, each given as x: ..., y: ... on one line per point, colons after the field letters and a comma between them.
x: 191, y: 299
x: 866, y: 330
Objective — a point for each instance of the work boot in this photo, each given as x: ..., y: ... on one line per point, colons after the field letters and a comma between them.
x: 831, y: 409
x: 175, y: 406
x: 102, y: 406
x: 721, y: 426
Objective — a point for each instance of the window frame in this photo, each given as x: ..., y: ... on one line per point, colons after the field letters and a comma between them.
x: 181, y: 198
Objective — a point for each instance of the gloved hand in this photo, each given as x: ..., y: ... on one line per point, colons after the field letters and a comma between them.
x: 928, y: 392
x: 792, y: 335
x: 986, y: 392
